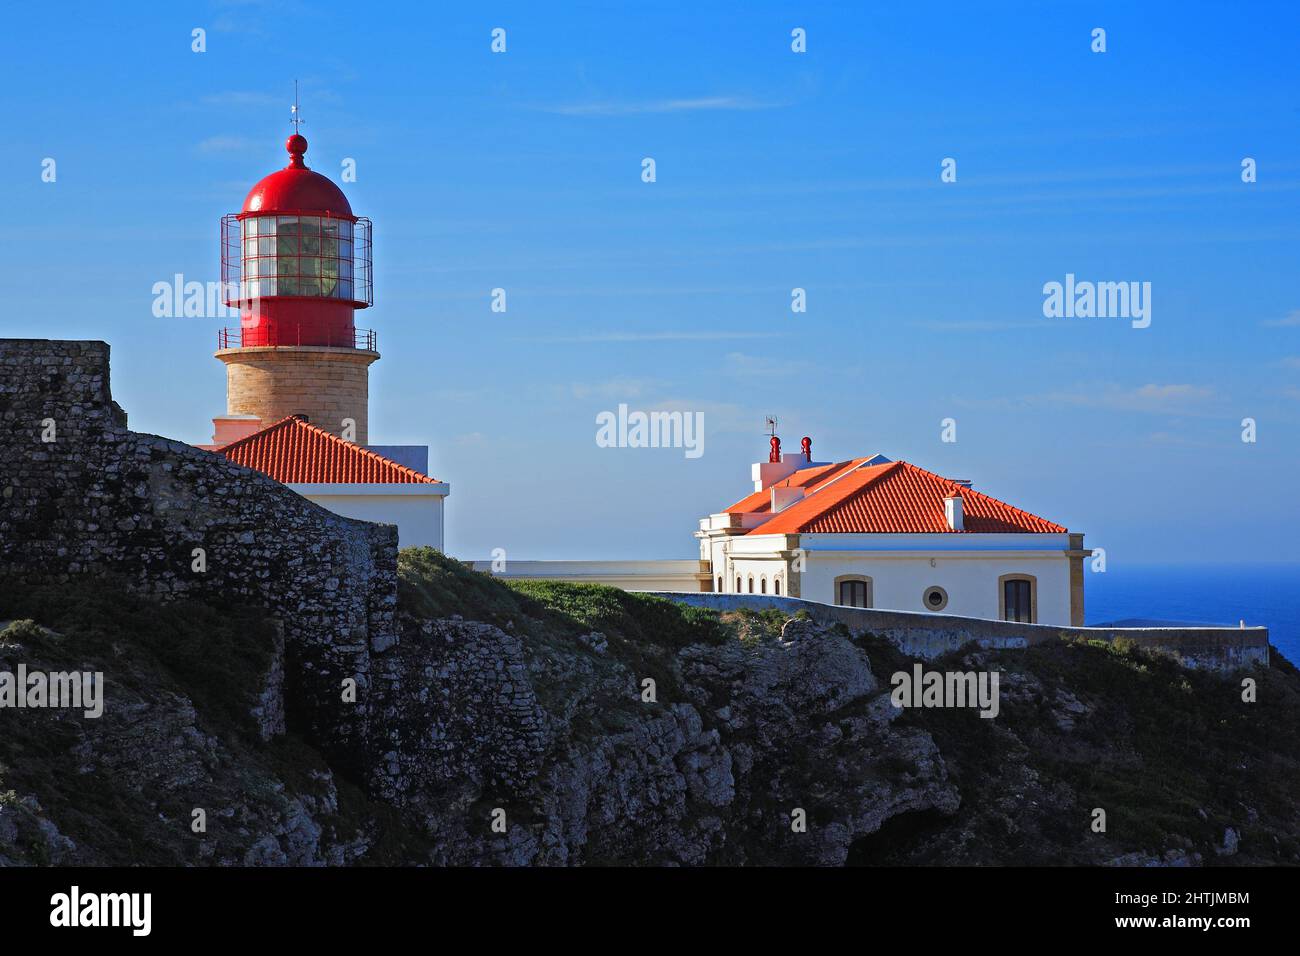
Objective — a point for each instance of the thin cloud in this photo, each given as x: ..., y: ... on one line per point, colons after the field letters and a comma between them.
x: 1168, y: 399
x: 983, y: 325
x: 1292, y: 319
x: 651, y: 337
x: 686, y: 105
x: 614, y: 388
x: 741, y: 365
x: 1145, y: 398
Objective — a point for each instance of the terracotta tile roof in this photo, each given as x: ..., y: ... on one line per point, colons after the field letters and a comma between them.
x: 897, y: 498
x: 296, y: 452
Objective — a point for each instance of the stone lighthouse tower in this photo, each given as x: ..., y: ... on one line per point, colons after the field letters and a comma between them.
x: 296, y: 263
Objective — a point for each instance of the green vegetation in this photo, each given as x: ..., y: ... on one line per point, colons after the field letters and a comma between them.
x: 90, y: 781
x: 1168, y: 753
x: 215, y: 656
x: 430, y: 584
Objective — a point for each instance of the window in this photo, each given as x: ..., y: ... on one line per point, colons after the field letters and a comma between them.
x: 935, y: 598
x: 853, y: 591
x: 1018, y: 598
x: 762, y: 585
x: 308, y: 255
x: 776, y: 585
x: 751, y: 584
x: 738, y: 587
x: 719, y: 584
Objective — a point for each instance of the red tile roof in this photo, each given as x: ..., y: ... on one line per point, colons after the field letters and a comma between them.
x: 896, y: 498
x: 296, y: 452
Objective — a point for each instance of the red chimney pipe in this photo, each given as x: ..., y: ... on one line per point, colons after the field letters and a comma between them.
x: 775, y: 453
x: 806, y: 445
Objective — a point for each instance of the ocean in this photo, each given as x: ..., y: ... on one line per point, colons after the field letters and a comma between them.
x: 1267, y: 594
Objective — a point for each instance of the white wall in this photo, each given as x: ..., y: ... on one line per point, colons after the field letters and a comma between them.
x: 673, y: 575
x: 417, y: 513
x: 903, y: 566
x: 899, y: 580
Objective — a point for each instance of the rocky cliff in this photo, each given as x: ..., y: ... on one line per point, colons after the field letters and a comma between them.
x: 520, y: 730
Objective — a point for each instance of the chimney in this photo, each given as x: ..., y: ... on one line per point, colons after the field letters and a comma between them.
x: 953, y: 513
x: 806, y: 445
x: 776, y: 468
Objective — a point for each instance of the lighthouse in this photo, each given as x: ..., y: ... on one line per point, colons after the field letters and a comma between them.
x: 296, y: 262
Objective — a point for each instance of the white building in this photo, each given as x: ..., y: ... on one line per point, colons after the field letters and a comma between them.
x: 870, y: 532
x: 346, y: 478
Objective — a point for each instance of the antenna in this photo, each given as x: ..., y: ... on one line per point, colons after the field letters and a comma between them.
x: 293, y: 110
x: 771, y: 424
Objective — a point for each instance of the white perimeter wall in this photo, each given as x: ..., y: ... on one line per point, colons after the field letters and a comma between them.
x: 671, y: 575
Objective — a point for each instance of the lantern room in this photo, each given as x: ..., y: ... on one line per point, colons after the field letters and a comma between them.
x: 296, y: 262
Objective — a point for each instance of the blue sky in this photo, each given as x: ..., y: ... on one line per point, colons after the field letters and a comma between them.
x: 775, y: 170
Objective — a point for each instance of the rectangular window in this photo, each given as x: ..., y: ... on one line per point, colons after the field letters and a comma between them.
x: 1017, y: 597
x: 854, y: 594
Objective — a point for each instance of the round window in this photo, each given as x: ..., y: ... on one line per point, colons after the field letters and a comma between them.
x: 935, y: 599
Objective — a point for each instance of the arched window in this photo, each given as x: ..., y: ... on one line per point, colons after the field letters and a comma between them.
x: 738, y: 587
x: 762, y: 584
x: 1018, y: 598
x: 751, y: 584
x: 776, y: 585
x: 719, y: 583
x: 854, y: 590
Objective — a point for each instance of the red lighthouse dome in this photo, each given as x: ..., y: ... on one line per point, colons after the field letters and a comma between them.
x: 296, y: 262
x: 296, y: 188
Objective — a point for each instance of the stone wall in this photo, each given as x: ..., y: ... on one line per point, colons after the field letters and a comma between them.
x: 81, y: 494
x: 929, y: 635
